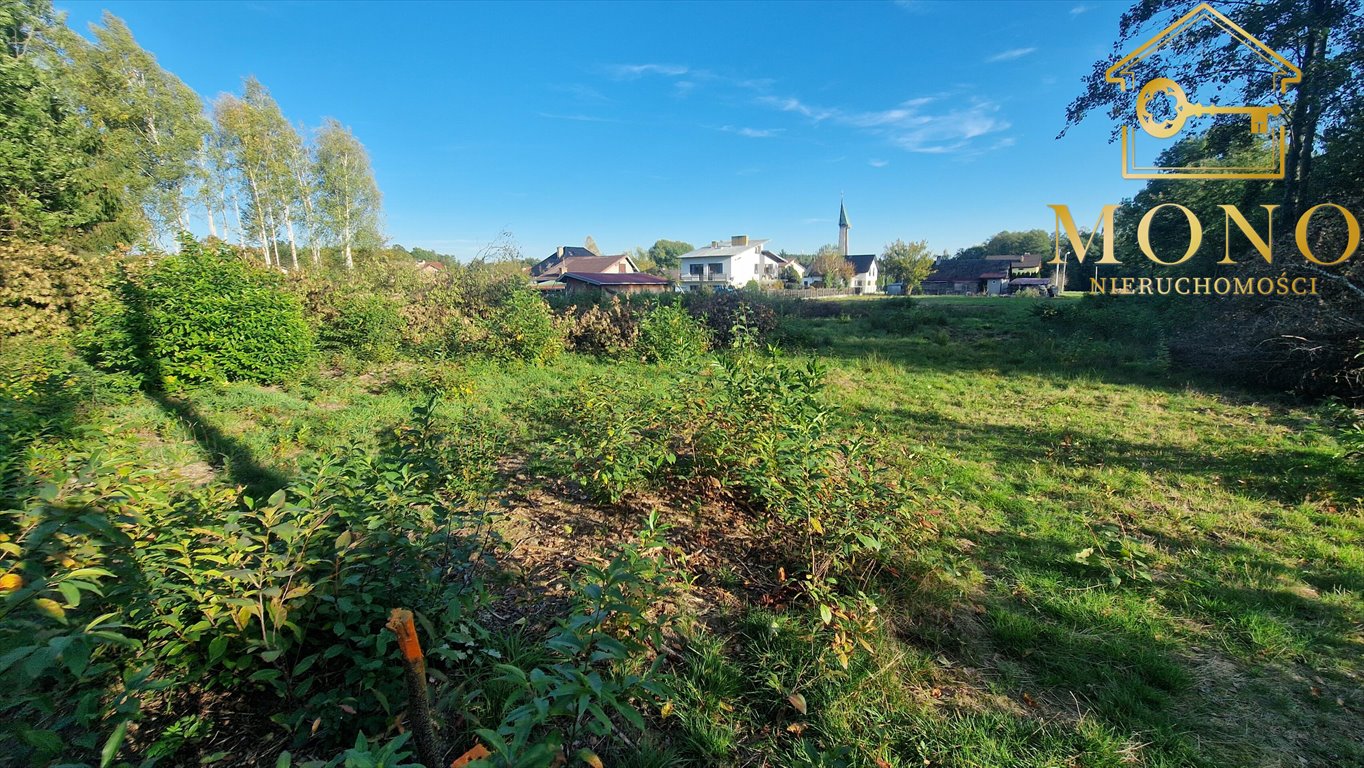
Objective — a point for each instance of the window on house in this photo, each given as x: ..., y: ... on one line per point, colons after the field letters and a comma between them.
x: 696, y: 269
x: 717, y: 267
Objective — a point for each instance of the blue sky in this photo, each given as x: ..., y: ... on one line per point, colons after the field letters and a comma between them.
x: 695, y: 121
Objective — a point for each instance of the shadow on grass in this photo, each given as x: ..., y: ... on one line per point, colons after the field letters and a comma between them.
x: 224, y: 452
x: 1288, y: 475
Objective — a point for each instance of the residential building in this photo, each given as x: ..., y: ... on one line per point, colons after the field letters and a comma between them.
x: 782, y: 263
x: 967, y: 277
x: 991, y: 276
x: 430, y: 267
x: 613, y: 282
x: 864, y: 273
x: 725, y: 265
x: 571, y: 258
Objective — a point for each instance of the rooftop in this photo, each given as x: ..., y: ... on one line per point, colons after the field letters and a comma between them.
x: 724, y: 249
x: 614, y: 278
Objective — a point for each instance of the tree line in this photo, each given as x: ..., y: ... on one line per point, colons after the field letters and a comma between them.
x: 101, y: 147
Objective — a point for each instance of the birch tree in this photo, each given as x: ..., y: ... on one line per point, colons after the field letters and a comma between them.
x: 347, y: 196
x: 154, y: 124
x: 263, y: 148
x: 244, y: 149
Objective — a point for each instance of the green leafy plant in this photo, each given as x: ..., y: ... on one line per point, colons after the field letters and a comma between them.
x: 667, y: 333
x: 203, y: 314
x: 599, y: 660
x: 367, y: 325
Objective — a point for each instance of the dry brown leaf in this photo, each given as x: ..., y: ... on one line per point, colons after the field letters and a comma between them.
x: 797, y: 701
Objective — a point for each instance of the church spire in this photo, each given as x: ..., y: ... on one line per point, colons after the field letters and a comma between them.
x: 843, y: 227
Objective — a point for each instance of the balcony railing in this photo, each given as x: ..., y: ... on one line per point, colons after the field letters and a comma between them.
x: 704, y: 277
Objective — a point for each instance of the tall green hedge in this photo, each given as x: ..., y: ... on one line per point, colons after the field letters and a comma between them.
x: 204, y: 314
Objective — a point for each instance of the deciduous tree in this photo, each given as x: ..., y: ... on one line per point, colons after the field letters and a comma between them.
x: 908, y: 263
x: 347, y: 195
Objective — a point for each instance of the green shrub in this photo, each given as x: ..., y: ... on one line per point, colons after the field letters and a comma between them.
x: 734, y: 318
x: 212, y: 316
x: 283, y: 598
x: 204, y: 314
x: 614, y: 443
x: 517, y: 325
x: 109, y: 338
x: 45, y: 288
x: 667, y: 333
x: 367, y: 325
x: 597, y: 666
x: 43, y: 386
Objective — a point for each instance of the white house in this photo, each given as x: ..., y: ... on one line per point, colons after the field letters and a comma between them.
x: 730, y: 264
x: 783, y: 263
x: 864, y: 273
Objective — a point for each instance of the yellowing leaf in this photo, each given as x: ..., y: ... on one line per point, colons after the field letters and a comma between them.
x: 666, y: 710
x: 10, y: 582
x: 797, y: 701
x: 589, y: 757
x: 816, y: 525
x: 51, y: 608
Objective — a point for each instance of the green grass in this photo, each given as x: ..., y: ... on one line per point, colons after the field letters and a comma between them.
x: 1127, y: 566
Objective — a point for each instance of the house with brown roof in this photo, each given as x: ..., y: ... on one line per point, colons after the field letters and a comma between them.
x: 612, y: 282
x: 571, y: 258
x: 1028, y: 264
x: 967, y: 277
x: 990, y: 276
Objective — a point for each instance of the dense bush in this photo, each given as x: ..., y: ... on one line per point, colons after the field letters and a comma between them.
x: 204, y: 314
x: 610, y: 329
x: 734, y: 317
x: 668, y: 333
x: 367, y: 325
x: 44, y: 288
x: 614, y: 443
x: 43, y: 388
x: 514, y: 324
x: 758, y: 428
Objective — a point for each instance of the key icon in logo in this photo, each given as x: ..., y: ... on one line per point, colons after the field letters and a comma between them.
x: 1165, y: 127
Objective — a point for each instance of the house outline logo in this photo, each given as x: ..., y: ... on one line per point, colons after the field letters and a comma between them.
x: 1261, y: 117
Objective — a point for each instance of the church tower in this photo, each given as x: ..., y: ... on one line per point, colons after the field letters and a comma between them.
x: 843, y: 227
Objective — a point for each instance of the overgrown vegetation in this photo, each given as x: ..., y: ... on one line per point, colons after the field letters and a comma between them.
x: 829, y: 558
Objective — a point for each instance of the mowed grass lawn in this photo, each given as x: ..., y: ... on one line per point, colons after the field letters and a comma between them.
x: 1120, y: 565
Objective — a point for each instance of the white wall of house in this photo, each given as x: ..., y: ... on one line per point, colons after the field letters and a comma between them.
x: 865, y: 281
x: 731, y: 264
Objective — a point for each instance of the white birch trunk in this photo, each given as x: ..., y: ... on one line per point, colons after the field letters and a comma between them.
x: 237, y: 212
x: 293, y: 248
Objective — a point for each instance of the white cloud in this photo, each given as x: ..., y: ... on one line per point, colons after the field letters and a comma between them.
x: 1009, y: 55
x: 1079, y: 9
x: 752, y: 133
x: 933, y: 125
x: 878, y: 163
x: 799, y: 107
x: 632, y: 71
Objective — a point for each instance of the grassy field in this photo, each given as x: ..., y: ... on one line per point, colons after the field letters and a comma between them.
x: 1118, y: 566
